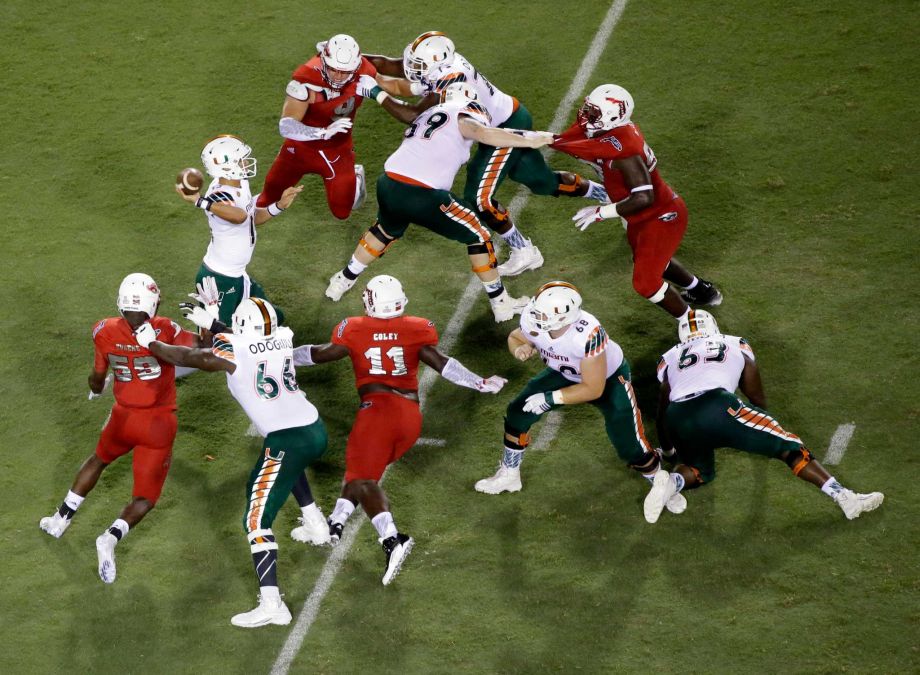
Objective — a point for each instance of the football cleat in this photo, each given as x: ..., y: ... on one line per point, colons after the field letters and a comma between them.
x: 677, y: 504
x: 504, y: 307
x: 360, y: 187
x: 312, y: 530
x: 506, y: 479
x: 55, y: 524
x: 268, y: 612
x: 335, y: 532
x: 396, y: 548
x: 703, y: 294
x: 663, y: 489
x: 105, y: 551
x: 853, y: 503
x: 521, y: 260
x: 338, y: 286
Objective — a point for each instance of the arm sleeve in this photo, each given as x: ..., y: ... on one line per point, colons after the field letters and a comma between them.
x: 290, y: 128
x: 303, y: 355
x: 456, y: 372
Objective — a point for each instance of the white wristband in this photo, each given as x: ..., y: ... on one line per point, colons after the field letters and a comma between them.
x: 608, y: 211
x: 381, y: 97
x: 557, y: 397
x: 274, y: 210
x: 203, y: 204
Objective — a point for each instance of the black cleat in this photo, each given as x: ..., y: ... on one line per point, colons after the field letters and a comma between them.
x: 703, y: 294
x: 396, y: 549
x: 335, y: 532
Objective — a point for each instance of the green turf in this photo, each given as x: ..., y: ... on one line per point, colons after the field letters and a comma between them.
x: 788, y: 127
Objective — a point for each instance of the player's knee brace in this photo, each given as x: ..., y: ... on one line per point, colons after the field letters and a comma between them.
x: 797, y: 460
x: 494, y: 215
x: 647, y: 463
x: 570, y: 184
x: 485, y: 247
x: 652, y: 289
x: 516, y: 440
x: 381, y: 236
x: 261, y: 540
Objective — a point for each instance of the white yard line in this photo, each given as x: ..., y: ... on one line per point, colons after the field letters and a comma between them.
x: 548, y: 431
x: 448, y: 339
x: 839, y: 442
x: 437, y: 442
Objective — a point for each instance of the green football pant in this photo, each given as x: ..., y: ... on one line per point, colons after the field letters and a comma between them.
x: 617, y: 404
x: 719, y: 419
x: 285, y: 455
x: 233, y: 290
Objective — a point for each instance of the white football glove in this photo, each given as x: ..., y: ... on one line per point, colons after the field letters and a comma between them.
x: 594, y: 214
x: 208, y: 295
x: 417, y: 88
x: 491, y: 385
x: 145, y: 335
x: 105, y: 385
x: 537, y: 404
x: 340, y: 126
x: 197, y: 315
x: 368, y: 87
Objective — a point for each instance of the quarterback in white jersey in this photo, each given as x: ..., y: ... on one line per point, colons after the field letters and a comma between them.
x: 699, y: 411
x: 232, y: 217
x: 583, y: 366
x: 415, y: 187
x: 258, y: 359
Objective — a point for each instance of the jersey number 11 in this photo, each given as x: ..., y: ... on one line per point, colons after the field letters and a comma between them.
x: 395, y: 354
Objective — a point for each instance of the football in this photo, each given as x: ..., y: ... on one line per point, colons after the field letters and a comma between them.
x: 190, y: 181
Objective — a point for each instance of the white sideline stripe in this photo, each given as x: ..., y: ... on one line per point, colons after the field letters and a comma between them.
x: 437, y: 442
x: 548, y: 432
x: 473, y: 289
x: 839, y: 442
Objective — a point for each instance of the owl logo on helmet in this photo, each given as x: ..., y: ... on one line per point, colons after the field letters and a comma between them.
x: 384, y: 297
x: 138, y: 293
x: 255, y: 318
x: 226, y: 156
x: 556, y: 305
x: 341, y: 57
x: 607, y: 107
x: 697, y: 323
x: 424, y: 53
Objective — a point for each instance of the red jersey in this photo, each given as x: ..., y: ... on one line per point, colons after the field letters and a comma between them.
x: 330, y: 104
x: 618, y: 143
x: 385, y: 350
x: 141, y: 381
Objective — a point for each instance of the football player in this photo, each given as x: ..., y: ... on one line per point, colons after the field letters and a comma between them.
x: 385, y: 348
x: 656, y: 217
x: 257, y: 358
x: 428, y: 65
x: 415, y: 186
x: 319, y: 109
x: 582, y: 366
x: 232, y: 216
x: 698, y: 412
x: 143, y: 419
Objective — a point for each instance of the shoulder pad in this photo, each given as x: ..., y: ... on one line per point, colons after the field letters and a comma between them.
x: 297, y: 90
x: 98, y: 327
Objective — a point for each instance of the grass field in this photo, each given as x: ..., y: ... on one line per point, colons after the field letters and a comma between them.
x: 788, y: 127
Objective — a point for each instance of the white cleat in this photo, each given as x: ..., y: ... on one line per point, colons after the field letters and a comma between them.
x: 521, y: 260
x: 677, y: 504
x: 268, y: 612
x: 658, y: 497
x: 313, y: 529
x: 105, y: 550
x: 504, y: 307
x: 397, y: 548
x: 55, y: 525
x: 853, y: 503
x: 338, y: 285
x: 360, y: 187
x: 506, y: 479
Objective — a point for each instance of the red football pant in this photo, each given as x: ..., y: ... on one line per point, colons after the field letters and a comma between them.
x: 654, y: 242
x: 150, y: 433
x: 336, y: 165
x: 385, y: 427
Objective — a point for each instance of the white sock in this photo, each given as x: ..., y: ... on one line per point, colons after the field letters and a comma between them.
x: 343, y: 509
x: 270, y: 594
x: 383, y: 523
x: 678, y: 481
x: 514, y: 238
x: 494, y: 288
x: 73, y: 500
x: 355, y: 266
x: 121, y: 526
x: 310, y: 509
x: 832, y: 488
x: 693, y: 284
x: 650, y: 477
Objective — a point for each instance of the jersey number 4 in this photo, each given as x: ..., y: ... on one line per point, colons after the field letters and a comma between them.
x: 395, y: 354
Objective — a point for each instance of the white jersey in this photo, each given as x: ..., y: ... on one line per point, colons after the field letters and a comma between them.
x: 584, y: 338
x: 263, y: 382
x: 231, y: 244
x: 433, y: 149
x: 498, y: 104
x: 703, y: 364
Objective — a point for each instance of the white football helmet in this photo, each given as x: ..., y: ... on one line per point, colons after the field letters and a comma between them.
x: 697, y: 324
x: 138, y: 293
x: 605, y: 108
x: 341, y: 58
x: 384, y: 297
x: 557, y: 304
x: 255, y: 318
x: 459, y: 91
x: 426, y: 51
x: 226, y: 156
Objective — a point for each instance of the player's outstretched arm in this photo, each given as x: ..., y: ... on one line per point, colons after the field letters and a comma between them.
x: 387, y: 65
x: 593, y: 381
x: 641, y: 194
x: 276, y: 209
x: 203, y: 359
x: 454, y: 371
x: 369, y: 87
x: 226, y: 211
x: 751, y: 385
x: 502, y: 138
x: 311, y: 355
x: 520, y: 347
